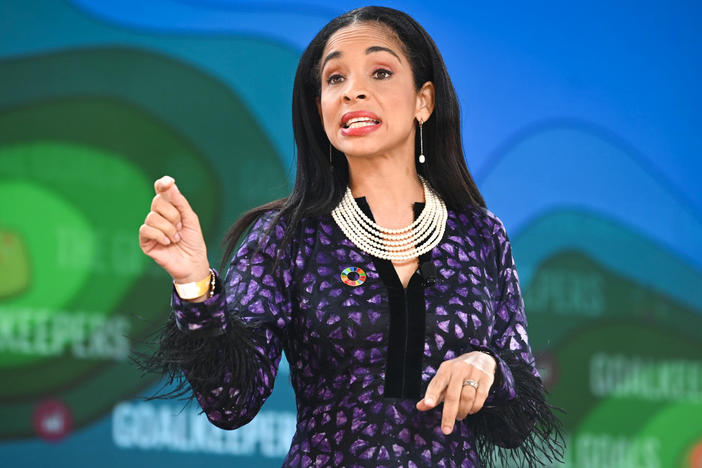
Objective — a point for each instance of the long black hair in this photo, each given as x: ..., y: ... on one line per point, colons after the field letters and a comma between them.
x: 318, y: 189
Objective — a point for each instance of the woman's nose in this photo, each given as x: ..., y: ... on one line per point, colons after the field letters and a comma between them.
x: 354, y: 92
x: 354, y: 96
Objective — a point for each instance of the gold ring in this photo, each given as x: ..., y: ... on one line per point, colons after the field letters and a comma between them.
x: 472, y: 383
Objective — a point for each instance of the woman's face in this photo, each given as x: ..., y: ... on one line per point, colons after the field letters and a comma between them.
x: 368, y: 101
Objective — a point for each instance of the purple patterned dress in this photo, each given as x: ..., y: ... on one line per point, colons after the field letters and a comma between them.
x: 361, y: 355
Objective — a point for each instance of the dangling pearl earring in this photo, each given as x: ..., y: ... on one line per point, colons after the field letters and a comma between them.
x: 421, y: 144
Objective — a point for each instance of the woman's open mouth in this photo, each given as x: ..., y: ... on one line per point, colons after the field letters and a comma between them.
x: 359, y: 123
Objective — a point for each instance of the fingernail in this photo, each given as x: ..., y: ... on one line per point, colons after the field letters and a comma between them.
x: 447, y: 430
x: 166, y: 240
x: 179, y: 226
x: 177, y: 237
x: 429, y: 401
x: 167, y: 179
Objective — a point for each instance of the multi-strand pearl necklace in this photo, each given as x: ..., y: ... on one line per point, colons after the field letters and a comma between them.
x: 393, y: 244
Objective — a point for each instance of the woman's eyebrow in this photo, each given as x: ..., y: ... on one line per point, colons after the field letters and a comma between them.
x: 332, y: 55
x: 370, y: 50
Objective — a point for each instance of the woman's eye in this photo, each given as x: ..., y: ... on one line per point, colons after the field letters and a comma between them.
x: 382, y: 74
x: 334, y: 79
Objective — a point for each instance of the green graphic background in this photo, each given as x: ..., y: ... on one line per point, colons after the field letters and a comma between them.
x: 83, y: 161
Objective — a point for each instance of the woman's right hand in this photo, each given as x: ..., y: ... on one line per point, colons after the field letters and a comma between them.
x: 172, y: 236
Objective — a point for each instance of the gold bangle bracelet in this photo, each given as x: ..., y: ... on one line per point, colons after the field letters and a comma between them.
x: 196, y: 289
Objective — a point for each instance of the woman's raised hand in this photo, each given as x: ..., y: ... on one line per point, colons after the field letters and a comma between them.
x: 172, y: 236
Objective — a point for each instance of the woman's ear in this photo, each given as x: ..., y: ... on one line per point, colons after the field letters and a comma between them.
x: 425, y: 102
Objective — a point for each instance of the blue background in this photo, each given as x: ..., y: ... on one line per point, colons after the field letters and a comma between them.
x: 590, y: 108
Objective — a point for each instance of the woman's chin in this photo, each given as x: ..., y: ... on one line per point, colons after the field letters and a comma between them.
x: 356, y: 153
x: 363, y: 147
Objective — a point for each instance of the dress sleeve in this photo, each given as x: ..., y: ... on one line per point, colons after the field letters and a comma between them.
x: 227, y: 348
x: 516, y: 415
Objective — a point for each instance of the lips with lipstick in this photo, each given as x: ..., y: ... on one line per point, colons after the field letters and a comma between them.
x: 359, y: 123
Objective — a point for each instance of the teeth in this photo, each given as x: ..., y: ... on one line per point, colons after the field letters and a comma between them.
x: 360, y: 122
x: 358, y: 119
x: 365, y: 123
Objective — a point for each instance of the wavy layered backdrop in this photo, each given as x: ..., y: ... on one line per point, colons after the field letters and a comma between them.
x: 580, y: 125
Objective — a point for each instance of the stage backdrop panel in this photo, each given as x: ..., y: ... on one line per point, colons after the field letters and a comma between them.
x: 581, y: 128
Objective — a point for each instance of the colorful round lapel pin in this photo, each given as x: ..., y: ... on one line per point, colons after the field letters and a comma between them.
x: 353, y: 276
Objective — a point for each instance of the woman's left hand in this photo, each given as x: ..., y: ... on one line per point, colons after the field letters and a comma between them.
x: 447, y: 386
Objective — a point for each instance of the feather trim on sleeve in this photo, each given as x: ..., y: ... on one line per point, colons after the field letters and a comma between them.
x: 521, y: 431
x: 204, y: 360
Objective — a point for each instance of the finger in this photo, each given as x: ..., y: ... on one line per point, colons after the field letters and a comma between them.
x: 163, y: 184
x: 435, y: 390
x: 166, y: 187
x: 481, y: 394
x: 451, y: 402
x: 150, y: 233
x: 468, y: 394
x: 431, y: 400
x: 157, y: 221
x: 167, y: 210
x: 187, y: 215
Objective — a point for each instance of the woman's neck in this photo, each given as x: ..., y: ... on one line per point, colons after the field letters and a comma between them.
x: 389, y: 184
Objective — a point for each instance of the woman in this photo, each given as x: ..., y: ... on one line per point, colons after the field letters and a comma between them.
x: 389, y: 285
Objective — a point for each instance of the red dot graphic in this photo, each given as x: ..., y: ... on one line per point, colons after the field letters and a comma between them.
x: 52, y: 420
